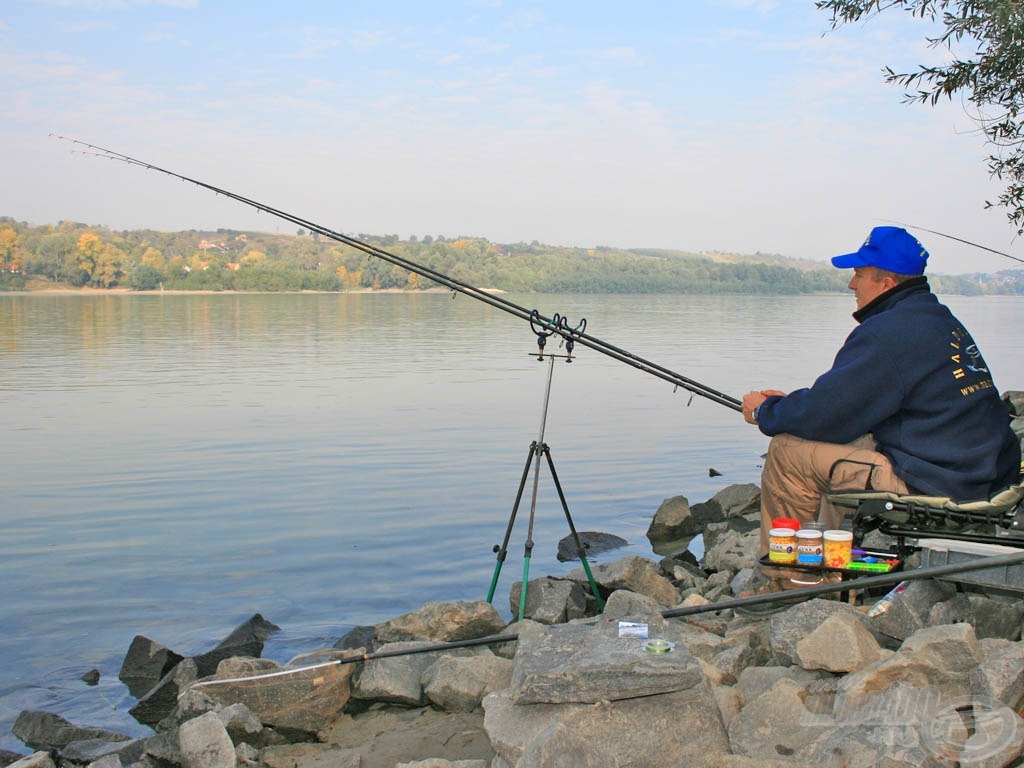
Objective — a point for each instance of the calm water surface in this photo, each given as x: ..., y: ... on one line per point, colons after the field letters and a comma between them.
x: 173, y: 464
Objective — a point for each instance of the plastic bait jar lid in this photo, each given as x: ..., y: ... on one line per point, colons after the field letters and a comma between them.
x: 785, y: 522
x: 781, y: 532
x: 808, y: 533
x: 839, y: 535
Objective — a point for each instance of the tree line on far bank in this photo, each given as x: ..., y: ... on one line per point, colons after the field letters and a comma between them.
x: 76, y: 255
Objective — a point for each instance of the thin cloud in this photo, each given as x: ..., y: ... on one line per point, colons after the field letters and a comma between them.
x: 624, y: 54
x: 118, y: 5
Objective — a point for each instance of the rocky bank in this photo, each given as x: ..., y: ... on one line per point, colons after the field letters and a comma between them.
x: 935, y: 679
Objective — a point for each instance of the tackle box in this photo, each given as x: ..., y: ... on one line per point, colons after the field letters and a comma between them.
x: 948, y: 551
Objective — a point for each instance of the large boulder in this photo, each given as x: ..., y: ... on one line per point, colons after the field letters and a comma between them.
x: 205, y: 743
x: 738, y: 500
x: 594, y: 543
x: 443, y: 622
x: 145, y: 664
x: 43, y: 730
x: 673, y: 520
x: 162, y: 699
x: 459, y: 683
x: 634, y: 573
x: 246, y: 639
x: 840, y: 644
x: 792, y: 625
x: 589, y: 663
x: 295, y: 701
x: 940, y: 659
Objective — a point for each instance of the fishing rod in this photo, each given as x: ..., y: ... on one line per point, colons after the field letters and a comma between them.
x: 542, y: 326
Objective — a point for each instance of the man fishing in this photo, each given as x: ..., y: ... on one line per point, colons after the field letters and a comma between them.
x: 908, y: 406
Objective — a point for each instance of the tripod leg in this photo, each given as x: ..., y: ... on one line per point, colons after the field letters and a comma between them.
x: 538, y: 449
x: 503, y: 549
x: 572, y: 529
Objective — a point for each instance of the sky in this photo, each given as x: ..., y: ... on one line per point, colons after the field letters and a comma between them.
x: 706, y: 125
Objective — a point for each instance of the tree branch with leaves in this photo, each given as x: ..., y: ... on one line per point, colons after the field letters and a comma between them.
x: 991, y: 77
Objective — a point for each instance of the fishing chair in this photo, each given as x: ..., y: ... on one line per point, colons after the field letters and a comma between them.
x: 999, y: 520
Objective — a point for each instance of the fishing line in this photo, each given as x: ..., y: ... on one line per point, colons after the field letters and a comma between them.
x: 958, y: 239
x: 557, y: 325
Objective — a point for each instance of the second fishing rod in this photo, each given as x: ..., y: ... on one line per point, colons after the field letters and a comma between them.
x: 556, y: 325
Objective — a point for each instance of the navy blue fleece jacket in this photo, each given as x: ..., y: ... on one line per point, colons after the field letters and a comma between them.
x: 911, y: 375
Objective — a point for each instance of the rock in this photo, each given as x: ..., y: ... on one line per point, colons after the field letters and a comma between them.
x: 357, y: 637
x: 908, y: 609
x: 873, y: 744
x: 940, y: 659
x: 738, y: 500
x: 1000, y: 675
x: 242, y: 724
x: 683, y: 570
x: 642, y: 732
x: 621, y: 604
x: 159, y: 702
x: 245, y: 640
x: 729, y: 701
x: 998, y: 738
x: 145, y: 665
x: 996, y: 616
x: 89, y: 751
x: 701, y: 643
x: 770, y: 725
x: 673, y: 520
x: 789, y: 627
x: 397, y: 679
x: 42, y: 730
x: 245, y: 755
x: 589, y: 663
x: 634, y: 573
x: 727, y: 549
x: 92, y: 677
x: 755, y: 680
x: 35, y: 760
x: 459, y: 683
x: 594, y: 543
x: 7, y: 757
x: 507, y: 650
x: 840, y: 644
x: 205, y: 743
x: 295, y: 701
x: 549, y: 600
x: 443, y: 622
x: 164, y: 749
x: 108, y: 761
x: 742, y: 649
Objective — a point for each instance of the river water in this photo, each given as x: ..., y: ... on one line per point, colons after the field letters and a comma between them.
x: 173, y: 464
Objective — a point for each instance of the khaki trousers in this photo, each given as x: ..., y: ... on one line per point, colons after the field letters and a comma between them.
x: 797, y: 473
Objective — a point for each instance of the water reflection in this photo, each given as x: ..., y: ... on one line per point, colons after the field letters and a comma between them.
x: 175, y: 463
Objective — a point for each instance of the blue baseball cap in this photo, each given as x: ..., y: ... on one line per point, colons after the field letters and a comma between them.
x: 889, y: 248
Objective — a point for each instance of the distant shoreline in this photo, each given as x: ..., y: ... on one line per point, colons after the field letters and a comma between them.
x: 86, y: 291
